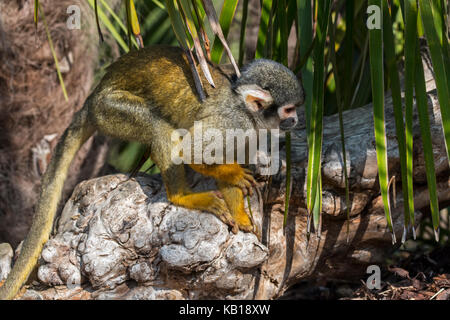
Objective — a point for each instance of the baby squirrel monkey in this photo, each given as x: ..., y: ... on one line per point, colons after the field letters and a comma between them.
x: 143, y: 97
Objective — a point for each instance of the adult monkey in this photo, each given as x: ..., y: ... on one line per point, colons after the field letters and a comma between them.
x: 143, y: 97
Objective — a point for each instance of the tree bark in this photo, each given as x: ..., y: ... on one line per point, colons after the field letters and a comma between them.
x: 119, y: 238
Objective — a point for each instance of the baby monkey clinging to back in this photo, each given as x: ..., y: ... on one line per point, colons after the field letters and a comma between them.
x: 144, y: 96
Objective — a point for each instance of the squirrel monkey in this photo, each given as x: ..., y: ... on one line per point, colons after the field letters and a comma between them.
x: 143, y: 97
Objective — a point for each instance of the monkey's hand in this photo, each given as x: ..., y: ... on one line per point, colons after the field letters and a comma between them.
x: 245, y: 182
x: 232, y: 174
x: 234, y: 183
x: 219, y: 209
x: 210, y: 201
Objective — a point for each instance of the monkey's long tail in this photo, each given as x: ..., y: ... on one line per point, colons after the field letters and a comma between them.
x: 52, y: 183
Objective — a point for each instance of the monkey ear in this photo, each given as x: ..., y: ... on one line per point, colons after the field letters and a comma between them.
x: 255, y: 98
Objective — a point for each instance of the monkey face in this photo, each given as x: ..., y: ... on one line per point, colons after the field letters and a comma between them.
x: 288, y: 117
x: 283, y: 117
x: 271, y: 92
x: 263, y: 107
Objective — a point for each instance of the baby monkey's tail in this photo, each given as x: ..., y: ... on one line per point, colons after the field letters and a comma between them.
x: 52, y: 183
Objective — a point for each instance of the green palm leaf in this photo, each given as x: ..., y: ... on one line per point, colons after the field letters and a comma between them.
x: 410, y: 62
x: 266, y: 8
x: 422, y: 108
x: 441, y: 73
x: 377, y: 77
x: 225, y: 20
x: 316, y: 120
x: 392, y: 71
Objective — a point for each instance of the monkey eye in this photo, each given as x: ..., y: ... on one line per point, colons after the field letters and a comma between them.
x: 289, y: 110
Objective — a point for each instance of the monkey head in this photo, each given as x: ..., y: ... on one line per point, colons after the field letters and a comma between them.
x: 271, y: 92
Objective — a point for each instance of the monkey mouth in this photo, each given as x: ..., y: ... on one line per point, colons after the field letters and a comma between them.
x: 287, y: 125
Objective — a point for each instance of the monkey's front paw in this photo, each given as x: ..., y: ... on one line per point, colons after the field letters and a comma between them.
x: 219, y: 208
x: 247, y: 182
